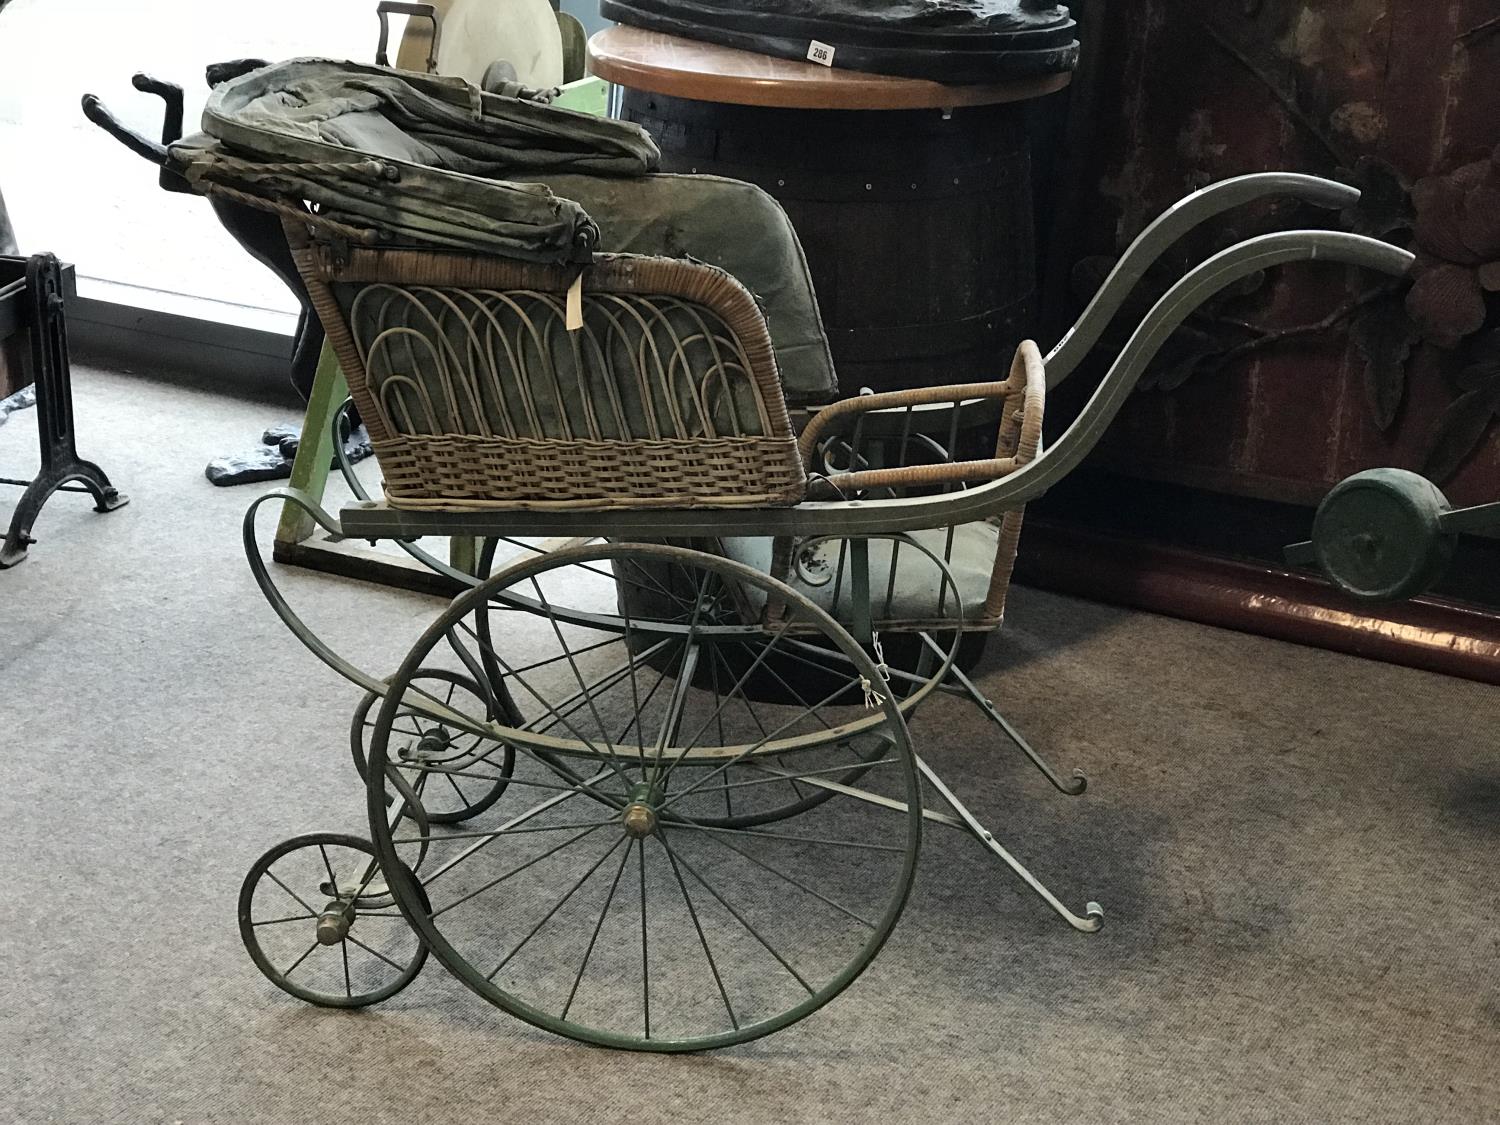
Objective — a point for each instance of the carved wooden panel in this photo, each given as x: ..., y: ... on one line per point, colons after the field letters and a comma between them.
x: 1400, y: 94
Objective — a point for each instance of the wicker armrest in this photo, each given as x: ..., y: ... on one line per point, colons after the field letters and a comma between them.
x: 1023, y: 396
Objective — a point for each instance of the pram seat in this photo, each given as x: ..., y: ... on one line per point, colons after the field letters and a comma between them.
x: 919, y: 596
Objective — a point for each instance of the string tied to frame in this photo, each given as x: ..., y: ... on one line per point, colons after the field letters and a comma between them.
x: 873, y: 698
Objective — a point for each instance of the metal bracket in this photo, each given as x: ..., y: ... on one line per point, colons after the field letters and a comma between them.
x: 388, y: 8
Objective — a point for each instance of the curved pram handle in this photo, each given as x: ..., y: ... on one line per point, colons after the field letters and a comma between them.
x: 171, y: 127
x: 96, y: 111
x: 1223, y: 270
x: 1168, y: 228
x: 1212, y: 277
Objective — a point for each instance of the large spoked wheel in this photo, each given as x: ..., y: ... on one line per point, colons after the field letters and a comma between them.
x: 464, y: 773
x: 796, y: 671
x: 318, y: 920
x: 633, y: 917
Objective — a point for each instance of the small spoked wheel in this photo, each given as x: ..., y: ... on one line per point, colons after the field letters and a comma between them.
x: 690, y: 863
x: 318, y: 919
x: 455, y: 774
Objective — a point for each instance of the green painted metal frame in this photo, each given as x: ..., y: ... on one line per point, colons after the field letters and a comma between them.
x: 855, y: 521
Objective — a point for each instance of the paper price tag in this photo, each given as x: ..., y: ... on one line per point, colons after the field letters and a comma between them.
x: 575, y: 305
x: 820, y: 53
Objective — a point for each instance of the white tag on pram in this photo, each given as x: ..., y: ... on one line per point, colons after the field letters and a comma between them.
x: 575, y: 304
x: 820, y: 53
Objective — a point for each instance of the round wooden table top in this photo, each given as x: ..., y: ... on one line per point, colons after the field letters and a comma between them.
x: 685, y: 68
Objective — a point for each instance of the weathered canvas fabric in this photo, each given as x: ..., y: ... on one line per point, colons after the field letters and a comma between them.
x: 943, y: 40
x: 434, y: 162
x: 301, y: 129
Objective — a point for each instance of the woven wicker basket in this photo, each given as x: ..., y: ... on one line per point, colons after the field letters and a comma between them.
x: 477, y: 395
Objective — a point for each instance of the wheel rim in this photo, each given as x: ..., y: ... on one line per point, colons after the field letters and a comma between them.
x: 634, y: 918
x: 467, y: 773
x: 318, y: 920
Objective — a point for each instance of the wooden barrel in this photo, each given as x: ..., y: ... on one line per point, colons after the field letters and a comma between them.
x: 917, y: 224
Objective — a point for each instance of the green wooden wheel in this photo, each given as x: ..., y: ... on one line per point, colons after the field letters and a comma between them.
x: 318, y: 920
x: 1379, y: 537
x: 633, y: 917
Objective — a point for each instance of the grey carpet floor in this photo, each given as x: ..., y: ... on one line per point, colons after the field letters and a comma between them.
x: 1298, y: 853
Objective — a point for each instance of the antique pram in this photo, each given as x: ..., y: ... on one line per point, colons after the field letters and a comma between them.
x: 649, y: 784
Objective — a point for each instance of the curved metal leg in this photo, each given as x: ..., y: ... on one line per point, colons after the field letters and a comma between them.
x: 1073, y: 787
x: 106, y: 499
x: 1093, y: 917
x: 60, y: 463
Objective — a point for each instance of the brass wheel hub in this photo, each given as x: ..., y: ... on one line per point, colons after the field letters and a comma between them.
x: 334, y: 923
x: 639, y: 820
x: 639, y: 816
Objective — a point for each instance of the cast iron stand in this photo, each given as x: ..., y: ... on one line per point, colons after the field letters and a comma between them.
x: 40, y: 307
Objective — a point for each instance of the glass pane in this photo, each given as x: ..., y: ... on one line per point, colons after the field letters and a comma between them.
x: 74, y: 190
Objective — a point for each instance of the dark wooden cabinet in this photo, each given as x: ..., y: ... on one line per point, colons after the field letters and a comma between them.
x: 1184, y: 506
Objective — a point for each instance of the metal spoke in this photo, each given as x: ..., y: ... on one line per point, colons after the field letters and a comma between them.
x: 738, y: 917
x: 791, y: 653
x: 643, y: 573
x: 738, y: 687
x: 784, y: 836
x: 288, y: 972
x: 439, y: 769
x: 713, y: 670
x: 333, y: 880
x: 744, y: 701
x: 743, y: 754
x: 300, y: 901
x: 612, y: 759
x: 605, y: 683
x: 635, y: 698
x: 635, y: 719
x: 573, y: 665
x: 495, y: 833
x: 686, y: 670
x: 803, y: 775
x: 645, y: 946
x: 599, y: 925
x: 795, y: 694
x: 702, y: 939
x: 524, y: 783
x: 375, y: 953
x: 558, y: 905
x: 517, y: 870
x: 794, y: 882
x: 454, y: 786
x: 580, y: 652
x: 348, y: 984
x: 514, y: 822
x: 534, y: 549
x: 288, y: 918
